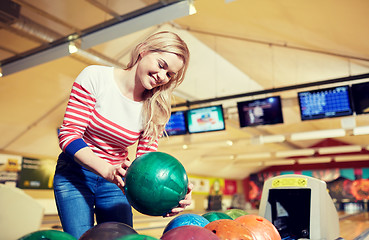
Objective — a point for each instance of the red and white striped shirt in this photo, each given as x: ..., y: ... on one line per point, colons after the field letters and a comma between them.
x: 99, y: 116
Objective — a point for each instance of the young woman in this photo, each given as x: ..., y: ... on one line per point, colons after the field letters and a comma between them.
x: 110, y: 109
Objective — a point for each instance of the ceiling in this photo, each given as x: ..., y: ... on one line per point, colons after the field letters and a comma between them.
x: 237, y: 47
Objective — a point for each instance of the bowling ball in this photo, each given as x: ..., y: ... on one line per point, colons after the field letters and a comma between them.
x: 155, y: 183
x: 48, y: 235
x: 189, y: 232
x: 235, y: 213
x: 186, y: 219
x: 137, y: 237
x: 261, y: 227
x: 108, y: 231
x: 212, y: 216
x: 227, y: 229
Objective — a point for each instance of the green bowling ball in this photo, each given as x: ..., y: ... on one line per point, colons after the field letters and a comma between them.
x: 48, y: 235
x: 235, y: 213
x: 213, y: 216
x: 137, y: 237
x: 155, y: 183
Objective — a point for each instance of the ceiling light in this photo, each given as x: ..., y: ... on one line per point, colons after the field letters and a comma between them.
x: 254, y: 155
x: 248, y: 164
x: 192, y: 8
x: 272, y: 138
x: 314, y: 160
x: 72, y: 48
x: 229, y: 142
x: 295, y: 153
x: 348, y: 158
x: 268, y: 139
x: 340, y: 149
x: 211, y: 158
x: 212, y: 144
x: 361, y: 130
x: 348, y: 123
x: 331, y: 133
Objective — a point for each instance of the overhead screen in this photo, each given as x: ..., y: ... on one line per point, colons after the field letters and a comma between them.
x: 325, y: 103
x: 177, y: 124
x: 360, y: 97
x: 315, y: 104
x: 263, y: 111
x: 205, y: 119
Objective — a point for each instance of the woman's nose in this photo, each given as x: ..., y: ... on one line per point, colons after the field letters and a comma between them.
x: 161, y: 75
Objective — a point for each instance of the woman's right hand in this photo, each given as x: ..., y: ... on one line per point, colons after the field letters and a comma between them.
x: 112, y: 173
x: 118, y: 172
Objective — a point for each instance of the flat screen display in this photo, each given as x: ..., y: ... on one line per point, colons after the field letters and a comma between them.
x: 260, y: 112
x: 205, y: 119
x: 176, y: 124
x: 291, y: 212
x: 360, y: 97
x: 325, y: 103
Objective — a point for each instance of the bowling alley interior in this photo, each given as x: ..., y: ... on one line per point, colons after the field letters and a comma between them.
x: 270, y: 124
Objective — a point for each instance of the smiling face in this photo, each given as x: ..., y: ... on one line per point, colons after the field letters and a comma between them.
x: 157, y: 68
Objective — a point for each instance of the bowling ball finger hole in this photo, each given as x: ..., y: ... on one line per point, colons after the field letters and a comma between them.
x: 259, y: 219
x: 214, y: 231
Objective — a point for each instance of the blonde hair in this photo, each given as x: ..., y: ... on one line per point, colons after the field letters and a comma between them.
x: 157, y: 104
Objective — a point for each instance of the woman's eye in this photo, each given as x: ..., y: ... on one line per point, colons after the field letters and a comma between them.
x: 160, y: 65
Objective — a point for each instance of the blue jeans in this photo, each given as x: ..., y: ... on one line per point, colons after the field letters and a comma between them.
x: 80, y: 193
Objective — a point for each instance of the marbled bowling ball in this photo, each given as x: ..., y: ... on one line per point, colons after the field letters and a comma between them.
x: 155, y: 183
x: 186, y: 219
x: 261, y: 227
x: 213, y: 216
x: 189, y: 232
x: 235, y: 213
x: 227, y: 229
x: 48, y: 234
x: 137, y: 237
x: 108, y: 231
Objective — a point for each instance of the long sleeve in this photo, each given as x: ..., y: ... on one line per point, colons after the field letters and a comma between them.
x: 77, y: 116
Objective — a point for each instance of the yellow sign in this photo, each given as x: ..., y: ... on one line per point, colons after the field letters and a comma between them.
x: 289, y: 182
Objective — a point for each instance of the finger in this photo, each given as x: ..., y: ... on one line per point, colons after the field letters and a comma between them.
x: 121, y: 171
x: 119, y: 182
x: 171, y: 214
x: 126, y: 164
x: 185, y: 202
x: 177, y: 210
x: 188, y: 197
x: 190, y: 187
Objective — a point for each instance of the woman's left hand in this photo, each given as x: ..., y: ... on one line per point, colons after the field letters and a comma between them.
x: 183, y: 203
